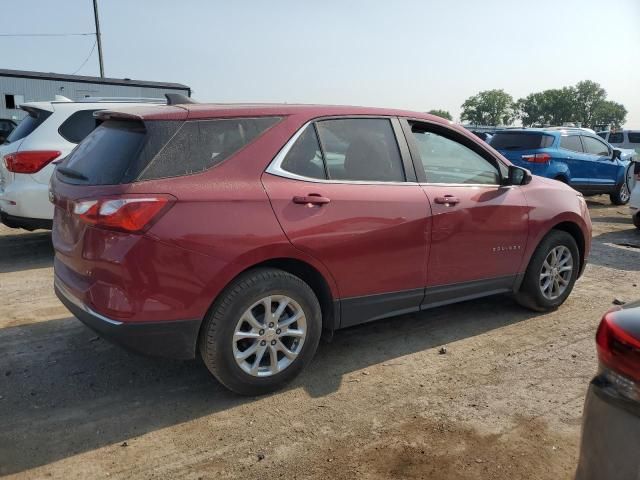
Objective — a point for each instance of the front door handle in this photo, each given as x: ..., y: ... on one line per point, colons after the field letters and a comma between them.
x: 311, y: 199
x: 447, y: 200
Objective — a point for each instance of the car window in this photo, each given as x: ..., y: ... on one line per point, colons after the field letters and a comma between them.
x: 634, y: 137
x: 595, y: 147
x: 363, y: 149
x: 447, y: 161
x: 33, y: 120
x: 520, y: 140
x: 571, y: 142
x: 305, y: 156
x: 80, y: 124
x: 616, y: 137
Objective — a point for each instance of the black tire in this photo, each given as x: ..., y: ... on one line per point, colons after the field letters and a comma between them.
x: 530, y: 294
x: 636, y: 220
x: 216, y: 336
x: 621, y: 195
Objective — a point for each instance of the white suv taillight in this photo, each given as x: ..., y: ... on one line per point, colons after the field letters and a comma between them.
x: 30, y: 161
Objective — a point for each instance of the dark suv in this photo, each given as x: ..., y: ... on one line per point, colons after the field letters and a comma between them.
x: 241, y: 232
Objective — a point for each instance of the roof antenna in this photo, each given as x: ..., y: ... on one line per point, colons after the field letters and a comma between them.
x: 178, y: 99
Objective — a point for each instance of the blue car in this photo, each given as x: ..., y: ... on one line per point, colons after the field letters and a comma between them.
x: 570, y: 155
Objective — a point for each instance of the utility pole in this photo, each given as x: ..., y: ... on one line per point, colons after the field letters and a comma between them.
x: 98, y: 39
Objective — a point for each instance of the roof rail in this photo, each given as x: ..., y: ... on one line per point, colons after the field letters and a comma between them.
x: 122, y: 99
x: 178, y: 98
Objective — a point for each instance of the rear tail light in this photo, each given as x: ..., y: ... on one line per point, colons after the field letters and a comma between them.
x: 30, y: 161
x: 617, y: 349
x: 127, y: 214
x: 537, y: 158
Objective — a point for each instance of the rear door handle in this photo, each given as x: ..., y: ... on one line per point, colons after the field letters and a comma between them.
x: 447, y: 200
x: 312, y: 198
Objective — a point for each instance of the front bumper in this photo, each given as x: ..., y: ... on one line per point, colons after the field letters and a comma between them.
x: 173, y: 339
x: 610, y: 435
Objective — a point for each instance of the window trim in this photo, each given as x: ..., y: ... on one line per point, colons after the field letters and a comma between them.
x: 470, y: 144
x: 275, y: 166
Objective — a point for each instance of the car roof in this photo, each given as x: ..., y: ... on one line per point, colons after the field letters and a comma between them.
x: 194, y: 111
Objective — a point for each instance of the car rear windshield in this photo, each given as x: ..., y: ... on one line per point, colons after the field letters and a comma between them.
x: 123, y: 151
x: 35, y: 117
x: 520, y: 141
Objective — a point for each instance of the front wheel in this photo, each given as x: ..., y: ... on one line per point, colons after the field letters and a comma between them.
x: 622, y: 195
x: 261, y: 332
x: 551, y: 273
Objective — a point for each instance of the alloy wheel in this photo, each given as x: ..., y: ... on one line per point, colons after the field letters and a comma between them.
x: 556, y: 272
x: 269, y: 336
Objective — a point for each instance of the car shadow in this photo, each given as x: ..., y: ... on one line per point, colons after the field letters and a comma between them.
x: 25, y: 251
x: 617, y: 249
x: 64, y: 391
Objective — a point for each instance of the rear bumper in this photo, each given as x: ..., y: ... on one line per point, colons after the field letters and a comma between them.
x: 26, y: 198
x: 24, y: 222
x: 610, y: 436
x: 173, y: 339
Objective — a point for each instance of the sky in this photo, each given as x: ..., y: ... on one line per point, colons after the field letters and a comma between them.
x: 411, y: 54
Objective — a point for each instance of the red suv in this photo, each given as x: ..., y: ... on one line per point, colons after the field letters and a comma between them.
x: 244, y: 231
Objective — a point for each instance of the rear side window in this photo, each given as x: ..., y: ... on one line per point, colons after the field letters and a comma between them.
x: 571, y: 142
x: 199, y: 145
x: 361, y: 149
x: 33, y: 120
x: 634, y: 137
x: 520, y: 141
x: 616, y: 137
x: 305, y: 156
x: 125, y: 151
x: 595, y: 147
x: 80, y: 124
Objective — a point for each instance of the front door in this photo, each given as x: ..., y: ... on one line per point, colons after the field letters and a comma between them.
x: 346, y: 201
x: 479, y: 228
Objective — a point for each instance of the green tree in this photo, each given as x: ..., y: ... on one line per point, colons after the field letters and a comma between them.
x: 589, y: 97
x: 609, y: 113
x: 441, y: 113
x: 490, y: 107
x: 549, y: 107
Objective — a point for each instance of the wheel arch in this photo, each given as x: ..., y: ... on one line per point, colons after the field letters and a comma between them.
x: 575, y: 231
x: 329, y: 305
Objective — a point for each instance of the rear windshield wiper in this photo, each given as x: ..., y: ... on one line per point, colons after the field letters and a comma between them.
x: 69, y: 172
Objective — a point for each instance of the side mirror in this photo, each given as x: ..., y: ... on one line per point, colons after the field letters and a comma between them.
x: 518, y: 176
x: 616, y: 154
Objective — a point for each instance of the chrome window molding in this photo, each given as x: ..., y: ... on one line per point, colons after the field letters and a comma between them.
x: 275, y: 168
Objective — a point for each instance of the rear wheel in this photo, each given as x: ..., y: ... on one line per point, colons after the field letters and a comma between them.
x: 262, y: 331
x: 551, y: 273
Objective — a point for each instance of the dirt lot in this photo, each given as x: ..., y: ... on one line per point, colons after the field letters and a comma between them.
x: 504, y: 402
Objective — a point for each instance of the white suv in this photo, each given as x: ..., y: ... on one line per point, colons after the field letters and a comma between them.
x: 42, y: 139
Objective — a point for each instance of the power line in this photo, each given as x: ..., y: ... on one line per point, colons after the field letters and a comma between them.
x: 46, y: 34
x: 86, y: 59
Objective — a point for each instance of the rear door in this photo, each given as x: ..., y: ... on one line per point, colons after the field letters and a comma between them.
x: 479, y: 228
x: 605, y: 171
x: 344, y: 191
x: 581, y: 168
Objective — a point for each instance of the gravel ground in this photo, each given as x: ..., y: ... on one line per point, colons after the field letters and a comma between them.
x: 503, y: 402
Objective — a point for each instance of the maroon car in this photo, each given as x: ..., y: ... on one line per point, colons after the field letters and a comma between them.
x: 245, y: 231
